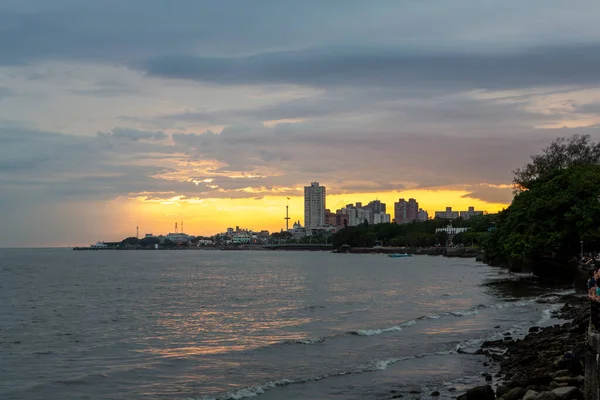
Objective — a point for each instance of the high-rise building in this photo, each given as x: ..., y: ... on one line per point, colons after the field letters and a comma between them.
x: 376, y: 206
x: 470, y: 213
x: 314, y: 206
x: 406, y: 211
x: 422, y: 215
x: 448, y: 214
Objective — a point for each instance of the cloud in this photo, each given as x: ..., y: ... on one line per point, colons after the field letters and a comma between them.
x: 502, y: 194
x: 134, y: 135
x: 4, y: 92
x: 388, y: 66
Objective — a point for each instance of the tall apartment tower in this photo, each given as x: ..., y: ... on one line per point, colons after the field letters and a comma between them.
x: 406, y: 211
x: 314, y: 206
x: 376, y: 206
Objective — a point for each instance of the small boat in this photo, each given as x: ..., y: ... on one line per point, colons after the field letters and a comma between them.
x: 398, y: 255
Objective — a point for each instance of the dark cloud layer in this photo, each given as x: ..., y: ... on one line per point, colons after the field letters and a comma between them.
x: 239, y: 99
x: 556, y: 65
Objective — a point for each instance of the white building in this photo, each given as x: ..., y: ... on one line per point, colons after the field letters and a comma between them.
x: 381, y: 218
x: 422, y: 215
x: 451, y: 230
x: 298, y: 232
x: 176, y: 238
x: 314, y: 206
x: 242, y: 238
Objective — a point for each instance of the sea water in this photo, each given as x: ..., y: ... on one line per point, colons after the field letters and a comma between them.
x: 243, y: 324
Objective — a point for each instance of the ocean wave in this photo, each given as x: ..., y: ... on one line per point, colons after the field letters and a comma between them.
x: 371, y: 332
x: 258, y: 389
x: 548, y: 298
x: 309, y: 341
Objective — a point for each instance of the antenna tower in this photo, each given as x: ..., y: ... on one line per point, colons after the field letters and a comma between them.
x: 137, y: 232
x: 287, y: 216
x: 175, y: 227
x: 181, y: 226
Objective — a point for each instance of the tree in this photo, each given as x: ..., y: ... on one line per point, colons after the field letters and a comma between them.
x: 131, y: 241
x: 562, y: 153
x: 149, y: 241
x: 542, y: 227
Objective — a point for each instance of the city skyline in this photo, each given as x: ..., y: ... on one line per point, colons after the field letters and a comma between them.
x: 140, y: 113
x: 376, y: 204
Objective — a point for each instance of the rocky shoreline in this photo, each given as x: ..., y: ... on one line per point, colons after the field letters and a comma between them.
x: 547, y: 364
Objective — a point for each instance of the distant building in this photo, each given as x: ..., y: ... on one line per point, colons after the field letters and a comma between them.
x: 298, y: 232
x: 406, y: 211
x: 448, y: 214
x: 422, y: 215
x: 177, y: 238
x: 376, y: 206
x: 451, y: 230
x: 470, y: 213
x: 314, y: 206
x: 242, y: 238
x: 341, y: 219
x: 381, y: 218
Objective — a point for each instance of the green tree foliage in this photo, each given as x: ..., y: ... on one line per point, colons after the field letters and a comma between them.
x: 415, y: 234
x: 130, y: 241
x: 149, y: 241
x: 561, y: 154
x: 545, y: 223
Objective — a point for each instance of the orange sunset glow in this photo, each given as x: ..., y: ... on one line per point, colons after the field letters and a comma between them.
x: 210, y: 216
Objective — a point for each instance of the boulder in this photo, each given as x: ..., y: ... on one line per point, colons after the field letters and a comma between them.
x: 562, y: 372
x: 547, y: 396
x: 568, y: 393
x: 435, y: 394
x: 514, y: 394
x: 501, y: 390
x: 530, y: 395
x: 479, y: 393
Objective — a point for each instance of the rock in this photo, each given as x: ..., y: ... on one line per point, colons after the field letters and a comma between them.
x: 397, y: 396
x: 568, y: 393
x: 479, y: 393
x: 414, y: 392
x: 452, y: 389
x: 435, y: 394
x: 530, y: 395
x: 527, y: 378
x: 570, y: 381
x: 501, y: 390
x: 547, y: 396
x: 492, y: 343
x: 562, y: 372
x: 514, y: 394
x: 534, y: 329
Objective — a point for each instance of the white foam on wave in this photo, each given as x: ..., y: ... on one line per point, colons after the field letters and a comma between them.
x: 310, y: 340
x: 463, y: 313
x: 548, y: 313
x: 371, y: 332
x: 256, y: 390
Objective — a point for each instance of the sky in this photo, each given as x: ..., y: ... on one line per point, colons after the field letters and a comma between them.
x: 118, y: 114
